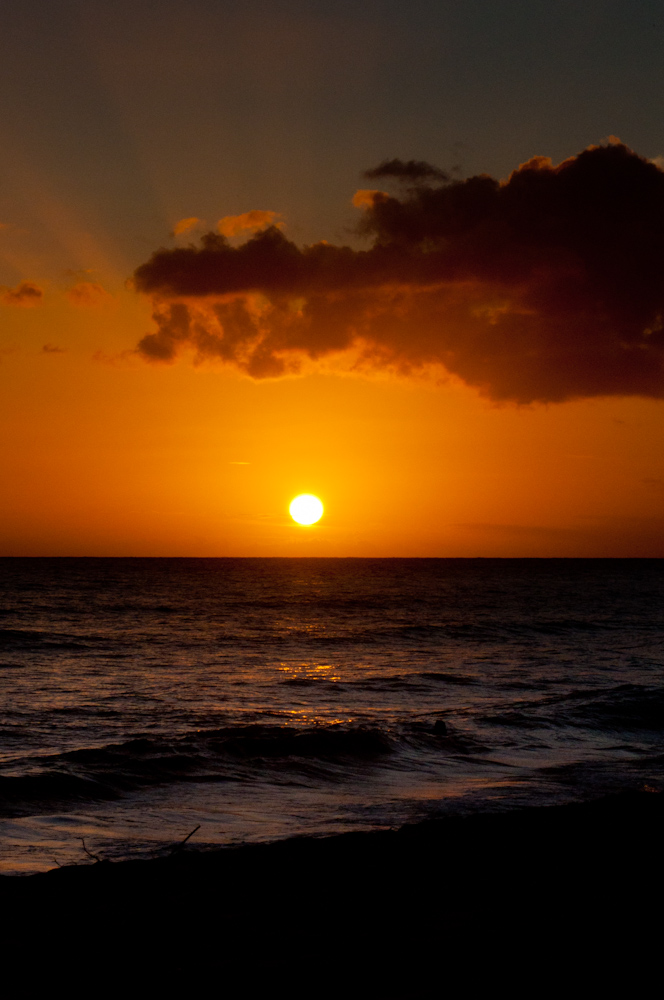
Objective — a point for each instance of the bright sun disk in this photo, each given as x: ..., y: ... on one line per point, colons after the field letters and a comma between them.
x: 306, y: 509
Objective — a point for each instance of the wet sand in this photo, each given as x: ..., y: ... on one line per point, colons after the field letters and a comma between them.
x: 567, y: 894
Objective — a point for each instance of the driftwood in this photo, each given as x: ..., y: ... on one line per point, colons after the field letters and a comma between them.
x: 178, y: 847
x: 98, y: 860
x: 95, y: 857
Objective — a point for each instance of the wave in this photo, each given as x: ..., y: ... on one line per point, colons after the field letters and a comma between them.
x: 626, y: 708
x: 49, y: 788
x: 629, y: 707
x: 134, y: 606
x: 384, y: 682
x: 424, y: 678
x: 440, y: 634
x: 31, y: 639
x: 233, y: 753
x: 517, y: 720
x: 283, y: 754
x: 448, y: 678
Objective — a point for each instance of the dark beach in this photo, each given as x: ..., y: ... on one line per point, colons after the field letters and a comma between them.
x: 566, y: 890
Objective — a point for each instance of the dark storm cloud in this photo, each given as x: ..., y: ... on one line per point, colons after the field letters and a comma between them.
x: 547, y: 287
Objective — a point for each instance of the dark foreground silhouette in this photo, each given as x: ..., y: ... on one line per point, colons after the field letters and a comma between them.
x: 566, y: 898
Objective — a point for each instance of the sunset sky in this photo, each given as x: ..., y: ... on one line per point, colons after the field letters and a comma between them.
x: 201, y: 317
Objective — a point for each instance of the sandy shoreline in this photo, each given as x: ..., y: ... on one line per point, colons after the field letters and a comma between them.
x: 390, y: 907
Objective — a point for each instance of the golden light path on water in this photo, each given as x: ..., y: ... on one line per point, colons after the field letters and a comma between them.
x: 306, y: 509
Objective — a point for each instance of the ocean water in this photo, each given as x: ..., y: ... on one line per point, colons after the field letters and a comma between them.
x: 268, y: 698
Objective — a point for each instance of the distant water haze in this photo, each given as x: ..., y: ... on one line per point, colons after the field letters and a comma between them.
x: 264, y: 698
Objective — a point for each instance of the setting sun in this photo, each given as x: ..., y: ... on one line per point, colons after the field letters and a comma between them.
x: 306, y: 509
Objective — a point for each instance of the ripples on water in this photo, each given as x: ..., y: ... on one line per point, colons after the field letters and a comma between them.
x: 264, y: 698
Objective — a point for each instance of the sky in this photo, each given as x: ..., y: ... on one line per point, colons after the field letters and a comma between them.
x: 406, y: 257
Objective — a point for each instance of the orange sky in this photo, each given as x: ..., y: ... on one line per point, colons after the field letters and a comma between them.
x: 121, y: 128
x: 104, y: 454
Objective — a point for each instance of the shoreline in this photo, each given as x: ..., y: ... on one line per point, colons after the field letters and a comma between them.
x: 444, y: 886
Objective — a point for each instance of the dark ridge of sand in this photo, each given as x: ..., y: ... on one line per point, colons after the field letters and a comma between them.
x: 551, y: 893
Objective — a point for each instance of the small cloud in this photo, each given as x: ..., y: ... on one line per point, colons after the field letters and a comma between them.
x: 232, y: 225
x: 52, y: 349
x: 185, y: 225
x: 365, y: 197
x: 26, y: 294
x: 4, y: 225
x: 88, y: 294
x: 239, y: 463
x: 653, y: 483
x: 415, y: 171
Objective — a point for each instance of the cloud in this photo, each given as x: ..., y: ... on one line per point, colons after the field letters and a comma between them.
x: 26, y: 294
x: 233, y: 225
x: 409, y: 170
x: 365, y: 197
x: 88, y: 294
x: 52, y: 349
x: 546, y: 287
x: 185, y: 225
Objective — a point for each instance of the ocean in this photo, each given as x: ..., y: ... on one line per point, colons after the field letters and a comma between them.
x: 261, y: 699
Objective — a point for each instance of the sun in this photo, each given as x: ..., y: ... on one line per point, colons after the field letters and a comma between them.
x: 306, y: 509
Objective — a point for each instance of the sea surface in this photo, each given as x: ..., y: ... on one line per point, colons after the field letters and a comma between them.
x: 259, y: 699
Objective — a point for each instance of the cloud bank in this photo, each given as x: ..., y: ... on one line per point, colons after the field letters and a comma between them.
x: 546, y: 287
